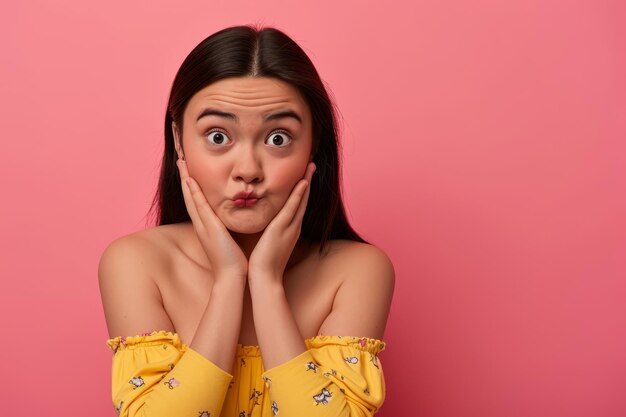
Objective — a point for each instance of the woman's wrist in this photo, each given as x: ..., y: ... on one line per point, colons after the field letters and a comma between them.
x: 228, y: 282
x: 265, y: 282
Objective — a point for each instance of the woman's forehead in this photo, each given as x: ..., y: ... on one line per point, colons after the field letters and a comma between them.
x: 248, y: 96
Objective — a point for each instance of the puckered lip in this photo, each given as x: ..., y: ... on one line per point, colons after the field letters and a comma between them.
x: 245, y: 195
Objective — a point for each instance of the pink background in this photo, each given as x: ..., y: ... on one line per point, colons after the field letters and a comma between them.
x: 484, y: 146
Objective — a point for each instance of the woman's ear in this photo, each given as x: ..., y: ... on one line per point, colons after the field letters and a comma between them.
x: 177, y: 145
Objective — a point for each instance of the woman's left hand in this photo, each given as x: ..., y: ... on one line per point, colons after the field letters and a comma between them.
x: 273, y: 250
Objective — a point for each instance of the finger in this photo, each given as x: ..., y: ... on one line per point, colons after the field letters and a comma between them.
x: 191, y: 197
x: 297, y: 219
x: 287, y: 213
x: 204, y: 214
x: 203, y: 209
x: 189, y: 203
x: 182, y: 168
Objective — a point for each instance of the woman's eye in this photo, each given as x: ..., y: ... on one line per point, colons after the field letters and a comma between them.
x: 217, y: 137
x: 279, y: 139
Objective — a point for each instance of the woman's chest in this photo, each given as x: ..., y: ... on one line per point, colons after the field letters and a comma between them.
x: 186, y: 291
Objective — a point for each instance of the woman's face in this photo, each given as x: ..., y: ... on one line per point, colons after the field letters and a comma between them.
x: 242, y: 134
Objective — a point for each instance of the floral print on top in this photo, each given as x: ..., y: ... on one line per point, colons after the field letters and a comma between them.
x: 157, y: 375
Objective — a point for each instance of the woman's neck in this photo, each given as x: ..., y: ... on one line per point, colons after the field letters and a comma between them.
x: 247, y: 243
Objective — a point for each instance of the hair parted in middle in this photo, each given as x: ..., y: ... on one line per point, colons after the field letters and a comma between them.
x: 249, y: 51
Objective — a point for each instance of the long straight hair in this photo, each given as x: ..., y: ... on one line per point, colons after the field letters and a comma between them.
x: 240, y: 51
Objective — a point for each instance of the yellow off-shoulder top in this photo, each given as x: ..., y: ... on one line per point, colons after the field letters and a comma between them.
x: 157, y: 375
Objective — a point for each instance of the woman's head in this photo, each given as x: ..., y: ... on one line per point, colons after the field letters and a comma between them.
x: 252, y: 73
x: 246, y: 134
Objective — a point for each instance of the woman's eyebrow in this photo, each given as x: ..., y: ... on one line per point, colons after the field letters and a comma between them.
x: 280, y: 115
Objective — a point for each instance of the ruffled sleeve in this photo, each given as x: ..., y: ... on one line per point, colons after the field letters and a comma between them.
x: 157, y: 375
x: 336, y: 376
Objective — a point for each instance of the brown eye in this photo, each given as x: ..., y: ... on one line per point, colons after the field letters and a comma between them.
x: 217, y: 137
x: 279, y: 139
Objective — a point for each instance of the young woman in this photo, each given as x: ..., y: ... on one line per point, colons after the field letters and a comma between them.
x: 253, y: 296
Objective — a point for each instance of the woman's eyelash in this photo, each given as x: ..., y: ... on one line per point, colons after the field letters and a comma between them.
x: 284, y: 132
x: 217, y: 129
x: 213, y: 131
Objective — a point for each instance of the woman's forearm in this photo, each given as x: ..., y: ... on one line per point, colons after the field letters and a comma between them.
x: 218, y: 331
x: 276, y: 328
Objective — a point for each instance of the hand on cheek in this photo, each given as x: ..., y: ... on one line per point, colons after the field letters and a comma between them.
x: 225, y: 256
x: 271, y: 253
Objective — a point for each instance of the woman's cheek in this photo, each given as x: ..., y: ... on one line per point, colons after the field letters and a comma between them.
x: 286, y: 179
x: 211, y: 183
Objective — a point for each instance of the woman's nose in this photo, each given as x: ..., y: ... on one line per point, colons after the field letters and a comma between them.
x: 247, y: 166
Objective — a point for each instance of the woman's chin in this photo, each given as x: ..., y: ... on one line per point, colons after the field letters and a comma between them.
x: 249, y: 220
x: 246, y: 226
x: 245, y: 231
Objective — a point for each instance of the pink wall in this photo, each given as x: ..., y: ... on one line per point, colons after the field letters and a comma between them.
x: 484, y: 151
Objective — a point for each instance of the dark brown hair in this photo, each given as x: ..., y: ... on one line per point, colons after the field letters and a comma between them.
x: 259, y: 52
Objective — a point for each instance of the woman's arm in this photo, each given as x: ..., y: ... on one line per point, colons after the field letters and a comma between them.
x: 130, y: 297
x: 361, y: 308
x: 133, y: 305
x: 157, y: 375
x: 218, y: 332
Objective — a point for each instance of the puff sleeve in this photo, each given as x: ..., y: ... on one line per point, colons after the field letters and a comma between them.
x: 157, y: 375
x: 337, y: 376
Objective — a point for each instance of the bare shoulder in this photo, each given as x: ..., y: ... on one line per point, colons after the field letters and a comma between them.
x: 130, y: 297
x: 363, y: 301
x: 135, y: 251
x: 365, y: 260
x: 146, y: 248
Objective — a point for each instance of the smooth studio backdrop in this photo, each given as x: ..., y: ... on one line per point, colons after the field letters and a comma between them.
x: 483, y: 151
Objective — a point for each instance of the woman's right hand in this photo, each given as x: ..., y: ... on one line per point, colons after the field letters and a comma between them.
x: 224, y: 254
